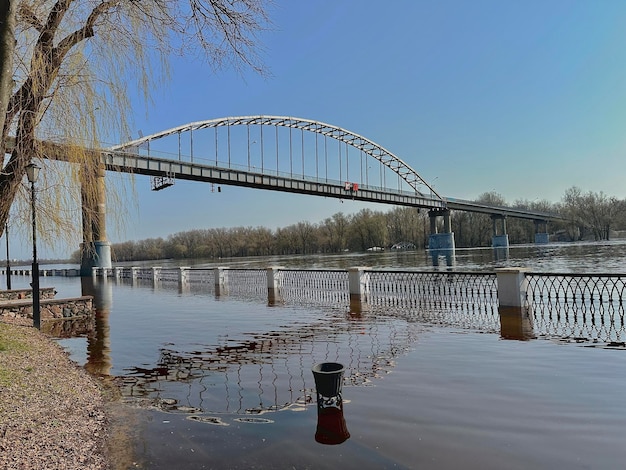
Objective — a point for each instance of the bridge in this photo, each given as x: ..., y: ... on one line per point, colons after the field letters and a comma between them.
x: 286, y: 154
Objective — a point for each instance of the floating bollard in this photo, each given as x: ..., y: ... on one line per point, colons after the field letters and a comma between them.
x: 328, y: 381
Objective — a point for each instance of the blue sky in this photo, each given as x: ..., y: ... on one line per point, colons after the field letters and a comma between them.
x: 525, y: 98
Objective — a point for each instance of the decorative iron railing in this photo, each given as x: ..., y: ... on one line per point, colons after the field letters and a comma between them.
x: 170, y: 275
x: 432, y: 289
x: 247, y: 282
x: 314, y: 286
x: 583, y: 307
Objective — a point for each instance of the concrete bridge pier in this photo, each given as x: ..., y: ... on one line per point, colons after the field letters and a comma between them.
x: 500, y: 238
x: 441, y: 244
x: 95, y: 251
x: 541, y: 232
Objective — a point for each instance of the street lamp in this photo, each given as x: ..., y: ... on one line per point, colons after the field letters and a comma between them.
x: 32, y: 171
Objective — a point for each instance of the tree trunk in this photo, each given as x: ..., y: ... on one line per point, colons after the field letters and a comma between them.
x: 8, y: 9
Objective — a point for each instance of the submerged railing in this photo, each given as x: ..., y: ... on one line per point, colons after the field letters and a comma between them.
x: 432, y: 289
x: 583, y: 307
x: 577, y: 307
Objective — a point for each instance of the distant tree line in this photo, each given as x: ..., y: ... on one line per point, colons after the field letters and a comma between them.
x: 587, y: 216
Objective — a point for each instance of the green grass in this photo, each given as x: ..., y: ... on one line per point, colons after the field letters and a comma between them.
x: 7, y: 343
x: 6, y: 377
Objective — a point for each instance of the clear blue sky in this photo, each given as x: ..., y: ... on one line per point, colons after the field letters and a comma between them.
x: 525, y: 98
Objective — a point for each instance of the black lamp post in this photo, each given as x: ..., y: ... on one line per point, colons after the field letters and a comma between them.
x: 32, y: 171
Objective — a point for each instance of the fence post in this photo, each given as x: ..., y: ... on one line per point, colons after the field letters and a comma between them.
x: 220, y: 275
x: 156, y: 275
x: 183, y: 279
x: 358, y: 283
x: 512, y: 287
x: 514, y: 304
x: 274, y: 277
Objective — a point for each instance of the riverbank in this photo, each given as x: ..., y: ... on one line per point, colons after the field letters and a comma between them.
x: 52, y: 413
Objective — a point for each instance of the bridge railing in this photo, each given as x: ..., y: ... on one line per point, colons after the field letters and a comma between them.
x: 522, y: 304
x: 168, y: 158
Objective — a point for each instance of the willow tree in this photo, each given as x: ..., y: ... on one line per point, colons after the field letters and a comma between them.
x: 69, y: 68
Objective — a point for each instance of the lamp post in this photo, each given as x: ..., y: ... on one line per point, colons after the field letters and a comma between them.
x: 32, y: 171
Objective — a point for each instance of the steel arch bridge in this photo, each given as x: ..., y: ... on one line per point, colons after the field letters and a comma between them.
x: 416, y: 184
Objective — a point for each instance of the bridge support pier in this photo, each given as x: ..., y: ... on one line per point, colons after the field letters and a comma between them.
x: 541, y: 232
x: 500, y: 238
x: 95, y: 251
x: 441, y: 244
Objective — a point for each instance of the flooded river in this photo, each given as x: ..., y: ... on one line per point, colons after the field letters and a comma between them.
x: 226, y: 382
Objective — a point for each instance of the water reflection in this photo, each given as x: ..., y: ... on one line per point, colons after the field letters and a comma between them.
x: 516, y: 323
x: 258, y: 372
x: 69, y: 328
x: 99, y: 340
x: 266, y: 372
x: 501, y: 253
x: 443, y: 257
x: 331, y: 425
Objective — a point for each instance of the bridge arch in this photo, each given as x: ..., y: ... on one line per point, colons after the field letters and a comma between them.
x: 368, y: 147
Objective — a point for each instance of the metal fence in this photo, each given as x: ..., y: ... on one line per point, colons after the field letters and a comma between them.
x: 582, y: 307
x: 328, y: 287
x: 432, y: 289
x: 247, y: 283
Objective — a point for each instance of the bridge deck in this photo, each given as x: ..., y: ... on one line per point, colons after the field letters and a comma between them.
x: 146, y: 165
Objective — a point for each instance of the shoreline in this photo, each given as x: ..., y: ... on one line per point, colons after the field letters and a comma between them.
x: 53, y: 413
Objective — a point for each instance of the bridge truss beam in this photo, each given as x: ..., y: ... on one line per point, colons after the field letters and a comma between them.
x: 368, y: 147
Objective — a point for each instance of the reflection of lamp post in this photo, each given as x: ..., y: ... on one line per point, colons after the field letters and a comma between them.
x: 6, y: 234
x: 32, y: 171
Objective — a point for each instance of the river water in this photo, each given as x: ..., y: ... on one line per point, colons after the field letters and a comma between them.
x: 226, y: 382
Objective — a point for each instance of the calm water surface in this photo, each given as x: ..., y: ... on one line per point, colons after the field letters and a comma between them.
x: 224, y: 382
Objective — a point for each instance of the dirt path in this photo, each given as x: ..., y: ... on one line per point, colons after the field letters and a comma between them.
x: 52, y: 413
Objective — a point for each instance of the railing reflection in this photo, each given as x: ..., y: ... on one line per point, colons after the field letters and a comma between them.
x: 263, y: 372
